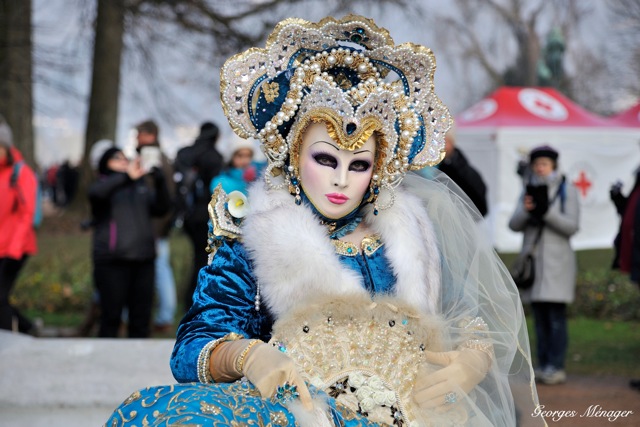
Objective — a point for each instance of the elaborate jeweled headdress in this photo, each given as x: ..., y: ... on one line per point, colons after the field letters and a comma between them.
x: 349, y: 74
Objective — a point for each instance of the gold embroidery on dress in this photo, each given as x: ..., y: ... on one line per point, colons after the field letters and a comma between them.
x: 271, y: 91
x: 134, y: 396
x: 368, y: 246
x: 279, y: 419
x: 345, y: 248
x: 371, y: 244
x: 207, y: 408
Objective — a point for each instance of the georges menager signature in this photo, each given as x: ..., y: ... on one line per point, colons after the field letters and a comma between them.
x: 593, y: 411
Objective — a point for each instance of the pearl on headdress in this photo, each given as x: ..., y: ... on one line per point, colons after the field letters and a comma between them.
x: 362, y: 68
x: 271, y: 138
x: 348, y: 59
x: 331, y: 59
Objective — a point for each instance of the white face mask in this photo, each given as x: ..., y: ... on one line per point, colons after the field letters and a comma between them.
x: 334, y: 180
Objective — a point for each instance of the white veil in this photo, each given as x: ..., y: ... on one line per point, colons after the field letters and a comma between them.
x: 475, y: 283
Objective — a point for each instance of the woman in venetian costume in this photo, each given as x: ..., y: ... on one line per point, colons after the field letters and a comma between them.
x: 344, y: 290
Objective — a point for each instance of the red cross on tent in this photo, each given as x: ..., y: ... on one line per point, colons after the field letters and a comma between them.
x: 583, y: 184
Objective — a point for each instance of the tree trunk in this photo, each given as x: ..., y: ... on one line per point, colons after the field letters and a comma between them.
x: 105, y: 83
x: 16, y: 96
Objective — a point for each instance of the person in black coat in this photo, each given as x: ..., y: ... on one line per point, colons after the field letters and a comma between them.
x: 457, y: 167
x: 122, y: 206
x: 627, y: 242
x: 196, y: 165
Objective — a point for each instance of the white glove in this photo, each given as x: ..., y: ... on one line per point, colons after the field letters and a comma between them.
x: 462, y: 371
x: 265, y: 367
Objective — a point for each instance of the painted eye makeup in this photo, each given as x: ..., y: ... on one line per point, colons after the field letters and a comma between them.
x: 359, y: 166
x: 324, y: 159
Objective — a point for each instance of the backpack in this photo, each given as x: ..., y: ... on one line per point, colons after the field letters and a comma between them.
x: 37, y: 214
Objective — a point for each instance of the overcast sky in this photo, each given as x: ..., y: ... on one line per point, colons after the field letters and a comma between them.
x: 63, y: 38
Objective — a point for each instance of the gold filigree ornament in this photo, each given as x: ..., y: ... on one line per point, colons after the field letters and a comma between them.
x: 349, y: 74
x: 365, y: 354
x: 224, y: 224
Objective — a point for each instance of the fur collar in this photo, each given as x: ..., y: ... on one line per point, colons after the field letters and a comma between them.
x: 294, y: 260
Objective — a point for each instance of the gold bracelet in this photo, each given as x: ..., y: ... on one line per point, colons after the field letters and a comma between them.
x: 240, y: 361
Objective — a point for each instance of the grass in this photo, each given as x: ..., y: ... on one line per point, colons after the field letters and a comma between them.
x: 600, y: 347
x: 56, y: 284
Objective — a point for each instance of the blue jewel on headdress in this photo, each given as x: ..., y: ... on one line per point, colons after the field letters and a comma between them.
x: 351, y: 128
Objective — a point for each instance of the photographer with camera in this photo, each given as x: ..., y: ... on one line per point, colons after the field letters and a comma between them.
x: 548, y: 214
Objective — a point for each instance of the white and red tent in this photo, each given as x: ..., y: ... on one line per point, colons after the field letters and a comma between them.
x: 497, y: 132
x: 628, y: 118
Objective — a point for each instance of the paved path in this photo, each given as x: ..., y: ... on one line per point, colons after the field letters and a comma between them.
x: 586, y: 396
x: 78, y: 382
x: 71, y: 382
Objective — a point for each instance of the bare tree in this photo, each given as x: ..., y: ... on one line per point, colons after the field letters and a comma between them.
x: 625, y: 22
x: 16, y: 73
x: 204, y: 33
x: 503, y: 41
x: 105, y: 81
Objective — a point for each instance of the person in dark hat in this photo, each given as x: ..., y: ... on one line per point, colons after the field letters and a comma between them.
x: 122, y: 206
x: 458, y: 168
x: 548, y: 214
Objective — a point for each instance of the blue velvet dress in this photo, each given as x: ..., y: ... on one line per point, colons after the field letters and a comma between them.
x: 224, y: 302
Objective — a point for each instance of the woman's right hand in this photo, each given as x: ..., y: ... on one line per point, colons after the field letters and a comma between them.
x: 268, y: 368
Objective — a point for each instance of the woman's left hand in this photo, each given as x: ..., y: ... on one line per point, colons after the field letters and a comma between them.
x: 462, y: 371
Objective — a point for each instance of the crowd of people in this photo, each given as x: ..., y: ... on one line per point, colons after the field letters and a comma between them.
x: 135, y: 205
x: 340, y: 233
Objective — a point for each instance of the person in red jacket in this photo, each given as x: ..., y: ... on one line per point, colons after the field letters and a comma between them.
x: 18, y: 186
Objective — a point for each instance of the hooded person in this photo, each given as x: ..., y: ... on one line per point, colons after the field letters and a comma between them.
x: 343, y: 290
x: 18, y: 240
x: 240, y: 168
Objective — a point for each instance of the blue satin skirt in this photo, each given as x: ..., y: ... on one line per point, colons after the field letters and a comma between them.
x: 228, y: 404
